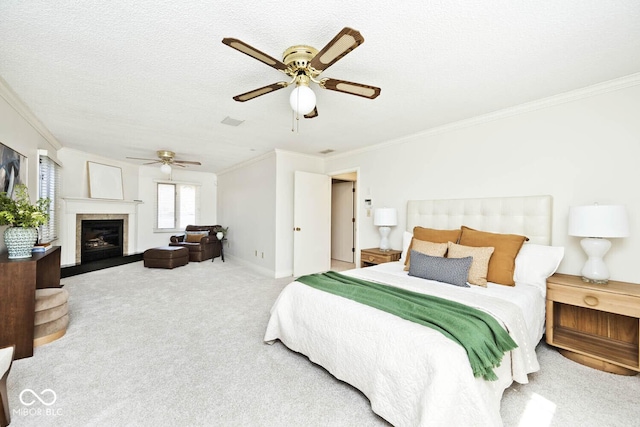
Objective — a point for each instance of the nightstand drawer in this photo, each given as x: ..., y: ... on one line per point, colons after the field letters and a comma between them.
x: 627, y: 305
x: 374, y: 258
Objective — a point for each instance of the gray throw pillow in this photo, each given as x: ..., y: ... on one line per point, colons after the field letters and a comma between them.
x: 448, y: 270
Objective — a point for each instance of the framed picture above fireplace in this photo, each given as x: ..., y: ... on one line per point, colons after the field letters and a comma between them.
x: 105, y: 182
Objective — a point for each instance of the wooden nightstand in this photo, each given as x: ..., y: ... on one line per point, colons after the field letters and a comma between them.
x: 597, y: 325
x: 375, y: 256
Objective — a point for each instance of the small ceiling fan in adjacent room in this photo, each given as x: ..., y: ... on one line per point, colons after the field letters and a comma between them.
x: 167, y: 159
x: 303, y: 64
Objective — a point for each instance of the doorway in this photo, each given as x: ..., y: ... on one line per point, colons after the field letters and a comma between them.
x: 343, y: 221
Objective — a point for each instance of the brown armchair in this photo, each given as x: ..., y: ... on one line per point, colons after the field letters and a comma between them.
x: 201, y: 246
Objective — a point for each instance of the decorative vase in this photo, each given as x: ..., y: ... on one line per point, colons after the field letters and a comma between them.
x: 219, y: 235
x: 20, y: 241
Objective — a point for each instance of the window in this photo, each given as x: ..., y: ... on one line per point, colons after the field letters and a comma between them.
x: 49, y: 187
x: 178, y: 205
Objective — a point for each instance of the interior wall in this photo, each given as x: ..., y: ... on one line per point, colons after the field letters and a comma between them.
x: 580, y: 152
x: 75, y: 174
x: 286, y: 165
x: 247, y: 205
x: 19, y: 134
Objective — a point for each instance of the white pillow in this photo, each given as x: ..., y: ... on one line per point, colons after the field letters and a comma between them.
x: 535, y: 263
x: 406, y: 241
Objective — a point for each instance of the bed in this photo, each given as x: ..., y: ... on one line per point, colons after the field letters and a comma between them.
x: 414, y: 375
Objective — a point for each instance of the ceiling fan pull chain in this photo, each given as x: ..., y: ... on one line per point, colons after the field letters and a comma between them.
x: 295, y: 122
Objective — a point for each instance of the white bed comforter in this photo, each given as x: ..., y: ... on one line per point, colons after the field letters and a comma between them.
x: 412, y: 375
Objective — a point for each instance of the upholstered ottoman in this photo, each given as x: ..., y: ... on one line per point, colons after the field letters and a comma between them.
x: 166, y: 257
x: 52, y: 315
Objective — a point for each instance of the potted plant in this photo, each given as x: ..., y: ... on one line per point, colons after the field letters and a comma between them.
x: 23, y: 218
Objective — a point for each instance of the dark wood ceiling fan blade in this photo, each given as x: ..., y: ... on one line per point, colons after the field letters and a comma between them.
x: 254, y: 53
x: 187, y: 162
x: 152, y: 163
x: 312, y: 114
x: 351, y: 88
x: 343, y: 43
x: 141, y: 158
x: 260, y: 91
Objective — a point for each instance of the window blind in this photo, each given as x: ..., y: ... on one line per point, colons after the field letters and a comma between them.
x: 49, y: 187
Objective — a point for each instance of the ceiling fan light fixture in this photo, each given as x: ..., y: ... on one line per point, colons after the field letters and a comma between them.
x: 165, y: 168
x: 302, y: 100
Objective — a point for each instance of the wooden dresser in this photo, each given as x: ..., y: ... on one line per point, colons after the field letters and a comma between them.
x: 597, y: 325
x: 19, y: 279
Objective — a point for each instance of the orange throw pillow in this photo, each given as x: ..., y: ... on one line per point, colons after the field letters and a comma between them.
x: 503, y: 261
x: 194, y: 238
x: 436, y: 236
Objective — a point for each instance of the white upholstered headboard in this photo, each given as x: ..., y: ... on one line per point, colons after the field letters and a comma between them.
x: 528, y: 216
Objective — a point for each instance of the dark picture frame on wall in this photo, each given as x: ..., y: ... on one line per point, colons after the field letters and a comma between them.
x: 13, y: 169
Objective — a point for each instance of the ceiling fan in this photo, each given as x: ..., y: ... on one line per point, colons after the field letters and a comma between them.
x: 167, y: 158
x: 303, y: 64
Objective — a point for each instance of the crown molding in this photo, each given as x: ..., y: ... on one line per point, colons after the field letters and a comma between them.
x: 574, y: 95
x: 296, y: 154
x: 247, y: 163
x: 21, y: 108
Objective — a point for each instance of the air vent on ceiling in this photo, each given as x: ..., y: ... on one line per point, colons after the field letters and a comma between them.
x: 231, y: 122
x: 327, y: 151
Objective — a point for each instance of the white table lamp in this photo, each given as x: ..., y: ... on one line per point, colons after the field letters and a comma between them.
x: 385, y: 218
x: 596, y: 223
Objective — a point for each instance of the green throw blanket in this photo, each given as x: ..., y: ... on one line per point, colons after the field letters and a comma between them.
x: 478, y: 332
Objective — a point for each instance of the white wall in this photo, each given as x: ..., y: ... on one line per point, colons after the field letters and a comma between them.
x: 255, y: 200
x: 20, y: 131
x: 580, y: 152
x: 75, y: 175
x: 286, y: 164
x: 247, y: 205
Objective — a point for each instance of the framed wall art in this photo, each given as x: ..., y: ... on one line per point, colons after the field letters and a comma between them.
x: 13, y: 169
x: 105, y: 182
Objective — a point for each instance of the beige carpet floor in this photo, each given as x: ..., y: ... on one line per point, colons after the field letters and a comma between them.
x: 183, y: 347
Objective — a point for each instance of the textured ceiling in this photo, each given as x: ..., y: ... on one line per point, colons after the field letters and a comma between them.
x: 126, y: 78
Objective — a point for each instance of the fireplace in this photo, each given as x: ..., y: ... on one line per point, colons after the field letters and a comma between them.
x: 101, y: 239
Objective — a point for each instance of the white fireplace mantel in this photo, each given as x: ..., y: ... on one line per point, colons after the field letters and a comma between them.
x: 73, y: 206
x: 83, y: 202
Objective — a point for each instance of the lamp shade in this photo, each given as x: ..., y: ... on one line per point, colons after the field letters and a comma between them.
x: 165, y: 168
x: 598, y: 221
x: 302, y: 100
x: 385, y: 217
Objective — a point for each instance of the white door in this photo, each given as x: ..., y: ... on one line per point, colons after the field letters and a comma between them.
x: 311, y: 223
x: 342, y: 217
